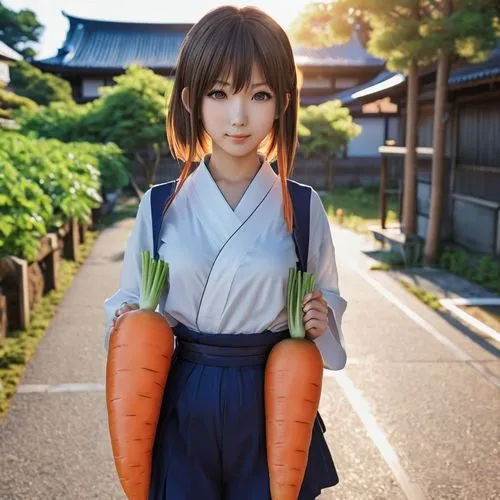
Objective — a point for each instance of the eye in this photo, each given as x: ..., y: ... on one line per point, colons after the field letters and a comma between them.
x: 221, y: 93
x: 266, y: 96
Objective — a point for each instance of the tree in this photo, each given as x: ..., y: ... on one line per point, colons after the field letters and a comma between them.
x: 132, y: 114
x: 458, y: 30
x: 43, y: 88
x: 395, y: 36
x: 325, y: 131
x: 19, y: 29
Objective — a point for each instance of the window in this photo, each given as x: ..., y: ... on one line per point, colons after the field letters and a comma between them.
x: 90, y: 87
x: 345, y: 82
x: 317, y: 83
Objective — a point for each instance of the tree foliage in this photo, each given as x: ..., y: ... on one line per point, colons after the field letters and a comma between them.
x: 28, y: 81
x: 9, y: 101
x: 325, y: 130
x: 19, y: 30
x: 404, y: 30
x: 131, y: 114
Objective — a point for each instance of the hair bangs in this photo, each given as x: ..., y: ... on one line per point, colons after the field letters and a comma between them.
x: 230, y: 56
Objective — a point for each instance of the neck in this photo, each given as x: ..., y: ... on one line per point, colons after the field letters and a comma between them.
x: 233, y: 170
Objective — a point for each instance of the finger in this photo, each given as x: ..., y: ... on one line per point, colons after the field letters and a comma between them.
x: 309, y: 296
x: 119, y: 312
x: 127, y: 307
x: 313, y: 324
x: 317, y: 306
x: 315, y: 314
x: 312, y: 333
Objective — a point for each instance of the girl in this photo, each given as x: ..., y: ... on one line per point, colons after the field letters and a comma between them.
x: 228, y: 236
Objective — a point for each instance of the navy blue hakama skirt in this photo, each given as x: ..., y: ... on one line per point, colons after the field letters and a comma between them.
x: 210, y: 441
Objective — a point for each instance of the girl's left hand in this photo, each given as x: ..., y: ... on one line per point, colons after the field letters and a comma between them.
x: 315, y: 310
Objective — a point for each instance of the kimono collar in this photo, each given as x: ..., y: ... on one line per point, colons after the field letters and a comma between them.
x: 256, y: 191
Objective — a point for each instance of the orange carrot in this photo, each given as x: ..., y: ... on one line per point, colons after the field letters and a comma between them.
x: 293, y: 380
x: 140, y: 351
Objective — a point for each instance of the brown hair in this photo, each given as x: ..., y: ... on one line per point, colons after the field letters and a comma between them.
x: 228, y: 40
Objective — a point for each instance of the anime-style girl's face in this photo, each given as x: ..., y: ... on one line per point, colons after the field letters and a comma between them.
x: 237, y: 123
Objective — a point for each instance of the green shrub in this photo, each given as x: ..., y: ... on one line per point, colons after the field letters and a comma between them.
x: 9, y: 101
x: 484, y: 270
x: 44, y: 183
x: 25, y: 211
x: 41, y: 87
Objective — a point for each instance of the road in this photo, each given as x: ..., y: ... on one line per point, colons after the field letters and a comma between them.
x: 415, y: 413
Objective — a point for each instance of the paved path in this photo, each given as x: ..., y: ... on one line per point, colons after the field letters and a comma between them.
x: 412, y: 415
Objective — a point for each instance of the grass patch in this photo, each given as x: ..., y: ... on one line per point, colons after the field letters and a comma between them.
x: 20, y: 345
x: 481, y: 269
x: 361, y: 207
x: 427, y: 297
x: 381, y: 266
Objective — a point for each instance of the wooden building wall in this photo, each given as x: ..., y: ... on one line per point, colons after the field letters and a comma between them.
x: 471, y: 213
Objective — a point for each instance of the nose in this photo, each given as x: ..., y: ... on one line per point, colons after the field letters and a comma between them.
x: 238, y: 113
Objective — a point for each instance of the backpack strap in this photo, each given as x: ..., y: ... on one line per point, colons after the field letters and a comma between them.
x: 160, y: 194
x: 301, y: 202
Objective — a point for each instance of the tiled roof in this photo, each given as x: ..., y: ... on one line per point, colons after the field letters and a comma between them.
x: 388, y: 80
x: 383, y: 81
x: 481, y: 71
x: 114, y: 45
x: 6, y: 53
x: 351, y: 53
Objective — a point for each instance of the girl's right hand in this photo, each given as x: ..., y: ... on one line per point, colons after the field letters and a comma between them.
x: 125, y: 307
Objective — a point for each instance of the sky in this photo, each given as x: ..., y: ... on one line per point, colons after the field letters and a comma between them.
x: 49, y: 13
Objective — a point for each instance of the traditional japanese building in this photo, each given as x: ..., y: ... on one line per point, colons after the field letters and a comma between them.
x: 95, y: 51
x: 471, y: 213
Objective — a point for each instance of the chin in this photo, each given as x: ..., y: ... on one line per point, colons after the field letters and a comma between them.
x: 239, y: 150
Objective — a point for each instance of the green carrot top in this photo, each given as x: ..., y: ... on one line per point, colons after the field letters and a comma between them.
x: 154, y: 274
x: 300, y: 283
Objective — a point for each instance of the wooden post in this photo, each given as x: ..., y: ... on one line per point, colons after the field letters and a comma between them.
x: 410, y: 173
x: 20, y: 267
x: 84, y: 228
x: 72, y: 240
x: 53, y: 260
x: 3, y: 317
x: 48, y: 258
x: 383, y: 185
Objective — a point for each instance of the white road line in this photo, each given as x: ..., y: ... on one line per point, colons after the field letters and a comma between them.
x: 446, y: 342
x: 361, y: 407
x: 452, y: 306
x: 30, y: 388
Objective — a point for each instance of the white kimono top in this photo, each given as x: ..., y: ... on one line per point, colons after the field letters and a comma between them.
x: 224, y: 284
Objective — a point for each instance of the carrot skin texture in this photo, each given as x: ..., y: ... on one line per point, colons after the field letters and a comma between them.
x: 293, y: 381
x: 139, y: 356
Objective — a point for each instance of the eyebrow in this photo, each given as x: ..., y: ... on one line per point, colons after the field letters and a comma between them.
x: 254, y: 85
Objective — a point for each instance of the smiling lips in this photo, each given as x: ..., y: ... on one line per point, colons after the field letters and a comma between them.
x: 238, y: 138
